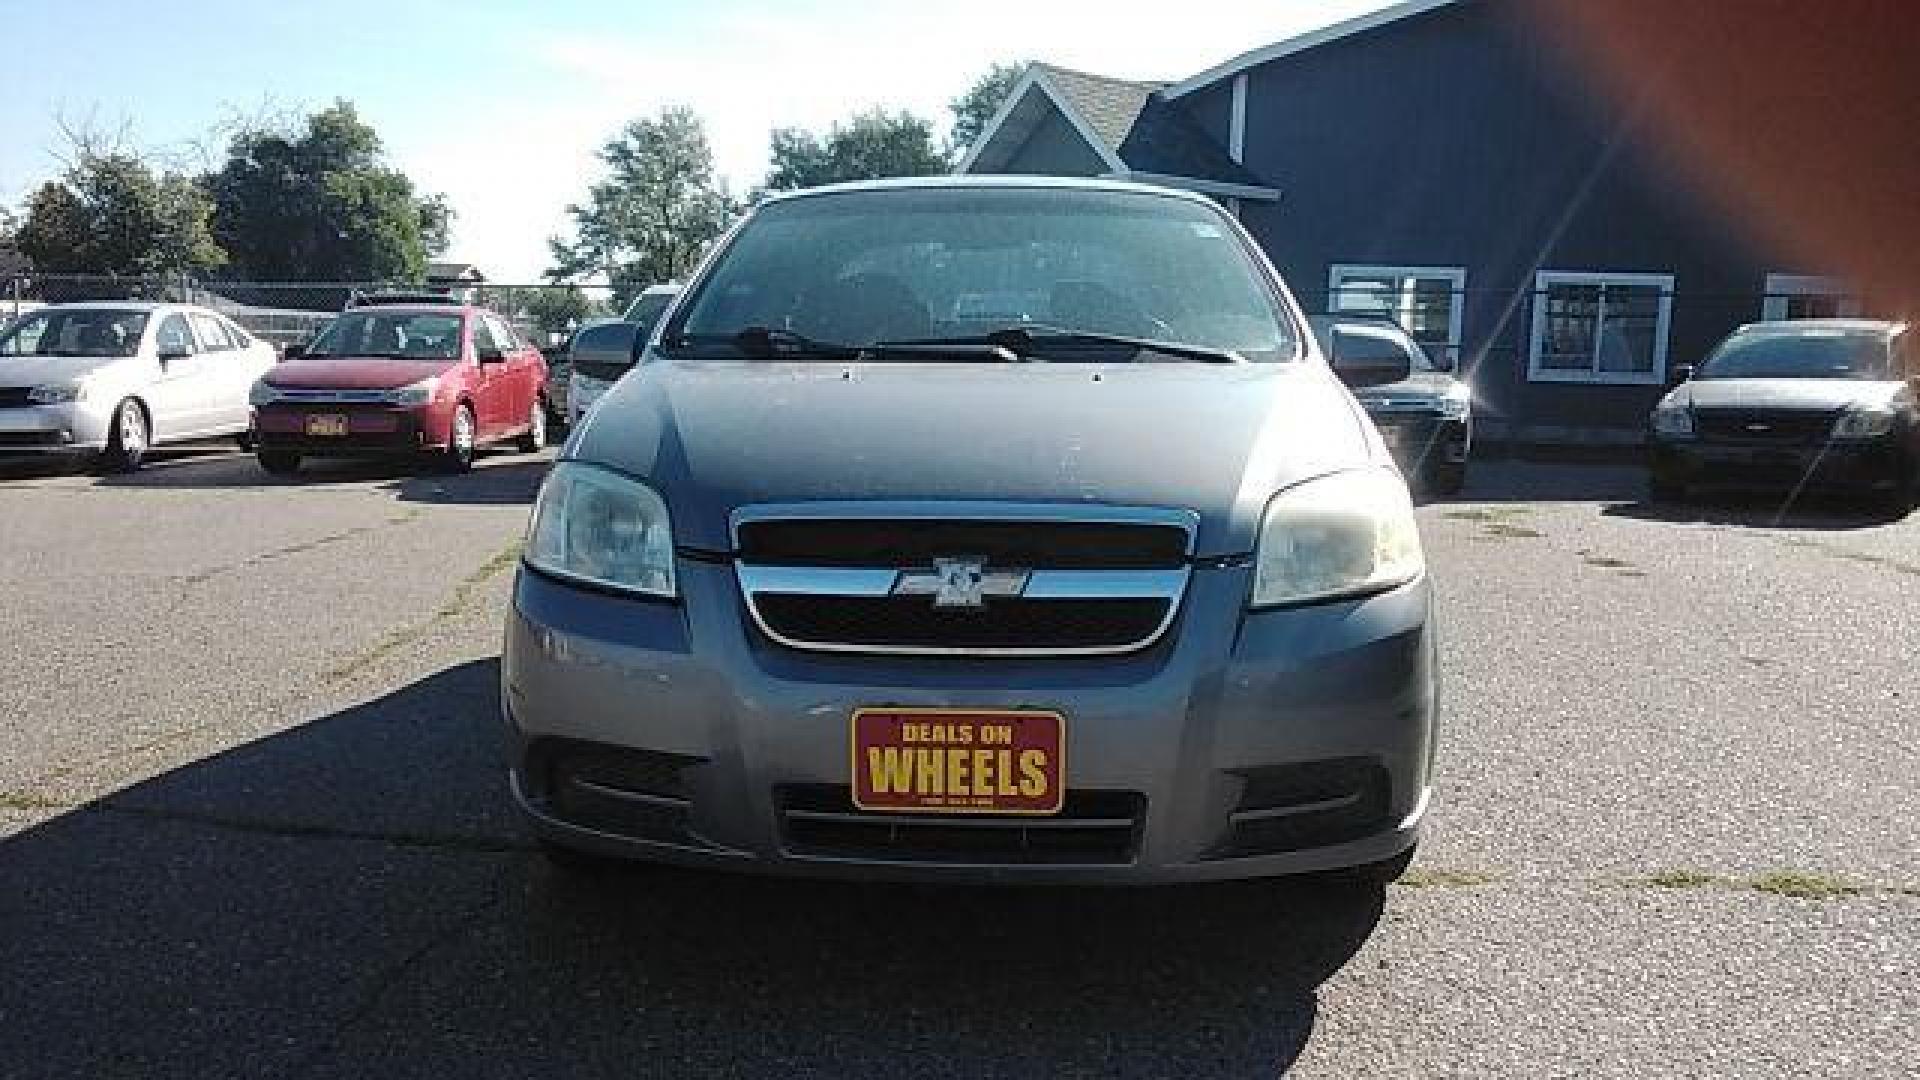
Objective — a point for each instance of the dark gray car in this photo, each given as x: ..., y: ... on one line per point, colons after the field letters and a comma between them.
x: 1811, y: 403
x: 978, y: 529
x: 1425, y: 418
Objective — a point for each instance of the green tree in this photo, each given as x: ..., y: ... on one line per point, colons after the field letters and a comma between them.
x: 555, y: 310
x: 868, y: 146
x: 111, y: 213
x: 317, y: 202
x: 973, y: 109
x: 654, y: 211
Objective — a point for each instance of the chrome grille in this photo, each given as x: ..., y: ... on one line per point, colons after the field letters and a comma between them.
x: 1034, y: 580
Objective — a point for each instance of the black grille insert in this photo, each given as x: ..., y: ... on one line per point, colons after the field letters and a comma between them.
x: 1794, y: 427
x: 1306, y: 805
x: 1032, y: 545
x: 1092, y: 828
x: 913, y: 622
x: 635, y: 793
x: 14, y: 397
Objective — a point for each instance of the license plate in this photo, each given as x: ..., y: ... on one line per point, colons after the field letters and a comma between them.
x: 326, y: 425
x: 959, y: 761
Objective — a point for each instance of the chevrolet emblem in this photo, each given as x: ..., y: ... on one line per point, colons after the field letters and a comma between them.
x: 960, y: 583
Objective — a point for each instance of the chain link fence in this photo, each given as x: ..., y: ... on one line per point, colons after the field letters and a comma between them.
x: 289, y: 311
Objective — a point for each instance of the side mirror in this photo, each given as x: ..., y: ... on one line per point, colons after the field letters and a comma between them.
x: 293, y: 350
x: 1680, y: 373
x: 606, y: 351
x: 1362, y: 359
x: 168, y: 356
x: 492, y: 356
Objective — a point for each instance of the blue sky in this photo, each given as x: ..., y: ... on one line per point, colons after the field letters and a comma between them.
x: 500, y: 105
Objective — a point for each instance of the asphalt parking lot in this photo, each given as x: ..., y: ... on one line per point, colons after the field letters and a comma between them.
x: 254, y: 824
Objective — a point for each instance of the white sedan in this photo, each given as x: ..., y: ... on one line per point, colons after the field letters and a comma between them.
x: 117, y: 378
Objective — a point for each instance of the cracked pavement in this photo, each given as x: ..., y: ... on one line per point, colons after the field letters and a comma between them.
x: 252, y: 824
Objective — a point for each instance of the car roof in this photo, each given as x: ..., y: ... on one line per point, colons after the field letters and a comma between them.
x: 121, y: 305
x: 418, y: 309
x: 971, y: 182
x: 1802, y: 326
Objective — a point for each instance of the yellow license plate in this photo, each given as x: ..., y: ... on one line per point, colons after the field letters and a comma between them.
x: 326, y: 425
x: 959, y: 761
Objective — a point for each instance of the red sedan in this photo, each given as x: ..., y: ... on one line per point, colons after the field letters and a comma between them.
x: 434, y: 380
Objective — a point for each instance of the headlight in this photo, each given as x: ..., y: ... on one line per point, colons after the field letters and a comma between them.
x: 57, y: 393
x: 416, y: 393
x: 262, y: 394
x: 1673, y: 420
x: 1863, y: 424
x: 596, y: 526
x: 1347, y: 534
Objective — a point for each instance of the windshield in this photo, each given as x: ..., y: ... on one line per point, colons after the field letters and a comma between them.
x: 1803, y: 355
x: 406, y: 335
x: 862, y: 267
x: 75, y: 332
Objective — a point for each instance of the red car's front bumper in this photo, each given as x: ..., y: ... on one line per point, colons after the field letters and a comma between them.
x: 347, y: 429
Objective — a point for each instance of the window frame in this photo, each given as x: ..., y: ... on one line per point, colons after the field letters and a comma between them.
x: 1779, y: 290
x: 195, y: 319
x: 1544, y: 280
x: 1456, y: 276
x: 160, y: 327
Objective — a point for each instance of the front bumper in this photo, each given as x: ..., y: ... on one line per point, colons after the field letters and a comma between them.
x: 1425, y: 440
x: 1867, y: 465
x: 372, y: 430
x: 76, y: 427
x: 1240, y: 745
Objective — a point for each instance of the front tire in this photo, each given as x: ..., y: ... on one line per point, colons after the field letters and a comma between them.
x: 1665, y: 489
x: 1446, y: 478
x: 535, y: 438
x: 279, y: 462
x: 461, y: 436
x: 127, y: 443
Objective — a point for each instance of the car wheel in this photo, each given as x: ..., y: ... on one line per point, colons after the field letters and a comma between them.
x: 128, y: 441
x: 535, y: 439
x: 279, y: 462
x: 458, y: 456
x: 1446, y: 478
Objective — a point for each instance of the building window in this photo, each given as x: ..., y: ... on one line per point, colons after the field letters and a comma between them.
x: 1600, y: 328
x: 1425, y: 300
x: 1803, y: 296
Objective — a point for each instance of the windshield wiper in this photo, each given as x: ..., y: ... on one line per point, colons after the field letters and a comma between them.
x: 1029, y: 339
x: 768, y: 344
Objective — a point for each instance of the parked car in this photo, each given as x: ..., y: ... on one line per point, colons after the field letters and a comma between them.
x: 115, y: 379
x: 439, y: 380
x: 602, y: 352
x: 850, y: 576
x: 559, y: 374
x: 1426, y: 418
x: 1808, y: 403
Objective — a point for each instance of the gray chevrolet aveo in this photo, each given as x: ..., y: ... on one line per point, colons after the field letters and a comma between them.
x: 977, y: 529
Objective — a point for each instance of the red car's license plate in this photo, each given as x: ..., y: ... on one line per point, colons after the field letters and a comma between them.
x: 959, y: 761
x: 326, y: 425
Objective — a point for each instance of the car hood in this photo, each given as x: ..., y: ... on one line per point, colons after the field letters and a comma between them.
x: 713, y: 436
x: 353, y: 373
x: 1821, y: 395
x: 38, y: 370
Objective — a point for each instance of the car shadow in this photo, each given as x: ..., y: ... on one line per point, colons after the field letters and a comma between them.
x: 499, y: 477
x: 1813, y: 512
x: 353, y: 897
